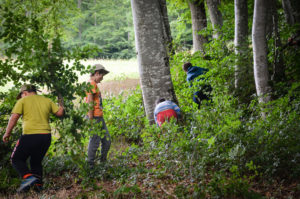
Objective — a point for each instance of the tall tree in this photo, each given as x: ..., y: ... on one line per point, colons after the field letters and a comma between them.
x: 166, y: 24
x: 215, y: 16
x: 261, y: 74
x: 240, y: 40
x: 199, y: 23
x: 152, y: 54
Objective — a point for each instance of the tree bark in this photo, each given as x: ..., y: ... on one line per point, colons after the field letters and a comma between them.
x: 288, y: 12
x: 152, y: 55
x: 278, y: 63
x: 199, y: 23
x: 215, y: 17
x: 261, y: 74
x: 241, y: 41
x: 166, y: 25
x: 291, y: 11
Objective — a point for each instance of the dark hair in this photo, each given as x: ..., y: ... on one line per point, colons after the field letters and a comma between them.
x: 159, y: 100
x: 97, y: 71
x: 186, y: 66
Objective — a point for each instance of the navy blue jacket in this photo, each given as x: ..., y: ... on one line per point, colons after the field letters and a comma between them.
x: 195, y: 71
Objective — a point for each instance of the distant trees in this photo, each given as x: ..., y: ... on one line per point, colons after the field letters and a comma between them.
x: 152, y: 54
x: 103, y: 24
x: 215, y: 16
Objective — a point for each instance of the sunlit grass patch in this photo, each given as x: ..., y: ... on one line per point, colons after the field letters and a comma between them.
x: 119, y: 70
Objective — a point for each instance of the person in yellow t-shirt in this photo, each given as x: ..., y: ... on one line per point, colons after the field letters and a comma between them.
x: 36, y: 137
x: 93, y: 97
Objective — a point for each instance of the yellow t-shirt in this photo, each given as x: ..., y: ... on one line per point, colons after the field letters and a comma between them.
x: 36, y: 110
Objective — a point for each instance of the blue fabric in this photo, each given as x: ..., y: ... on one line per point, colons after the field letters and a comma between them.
x: 166, y: 105
x: 194, y: 72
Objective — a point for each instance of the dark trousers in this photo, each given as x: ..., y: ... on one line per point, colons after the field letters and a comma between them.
x: 34, y: 147
x: 203, y: 94
x: 95, y: 142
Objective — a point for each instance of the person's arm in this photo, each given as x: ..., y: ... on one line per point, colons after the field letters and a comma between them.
x: 11, y: 124
x: 60, y: 111
x: 176, y: 109
x: 90, y: 101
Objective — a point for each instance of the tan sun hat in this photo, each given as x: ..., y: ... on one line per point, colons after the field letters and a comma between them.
x: 100, y: 67
x: 27, y: 87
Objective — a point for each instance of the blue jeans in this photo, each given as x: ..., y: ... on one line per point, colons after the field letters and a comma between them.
x: 95, y: 142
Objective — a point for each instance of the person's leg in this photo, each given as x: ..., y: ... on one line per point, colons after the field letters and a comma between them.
x: 40, y: 147
x: 197, y: 98
x: 93, y: 147
x: 105, y: 141
x: 20, y: 155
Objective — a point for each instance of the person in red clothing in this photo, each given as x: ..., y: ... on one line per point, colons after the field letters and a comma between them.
x: 165, y: 110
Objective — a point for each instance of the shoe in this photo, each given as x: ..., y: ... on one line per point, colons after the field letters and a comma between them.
x: 38, y: 187
x: 27, y: 183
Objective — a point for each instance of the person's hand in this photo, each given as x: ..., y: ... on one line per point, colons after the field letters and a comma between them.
x: 6, y: 137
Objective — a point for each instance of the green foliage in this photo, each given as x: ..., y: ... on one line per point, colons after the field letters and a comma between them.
x: 218, y: 151
x: 103, y: 24
x: 124, y: 115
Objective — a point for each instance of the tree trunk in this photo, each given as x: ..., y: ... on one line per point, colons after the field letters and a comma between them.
x: 166, y: 25
x: 79, y: 25
x: 261, y: 74
x: 241, y: 41
x: 292, y: 11
x: 288, y: 12
x: 215, y: 17
x: 278, y: 64
x: 152, y: 55
x: 198, y: 23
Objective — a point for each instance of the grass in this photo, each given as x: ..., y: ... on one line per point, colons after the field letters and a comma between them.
x: 119, y: 70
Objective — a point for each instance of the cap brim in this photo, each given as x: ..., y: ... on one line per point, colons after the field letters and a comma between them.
x: 105, y: 72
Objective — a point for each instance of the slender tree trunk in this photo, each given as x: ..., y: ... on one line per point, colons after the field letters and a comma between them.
x: 292, y: 11
x: 241, y: 41
x: 261, y: 74
x: 166, y: 25
x: 288, y: 12
x: 278, y: 64
x: 79, y: 25
x: 215, y: 17
x: 152, y: 55
x: 198, y: 23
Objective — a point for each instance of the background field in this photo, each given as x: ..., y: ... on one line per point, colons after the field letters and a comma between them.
x: 123, y: 75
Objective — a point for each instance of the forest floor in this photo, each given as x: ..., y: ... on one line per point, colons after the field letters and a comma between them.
x: 142, y: 179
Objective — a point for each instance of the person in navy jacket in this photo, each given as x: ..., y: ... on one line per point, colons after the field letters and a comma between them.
x: 193, y: 72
